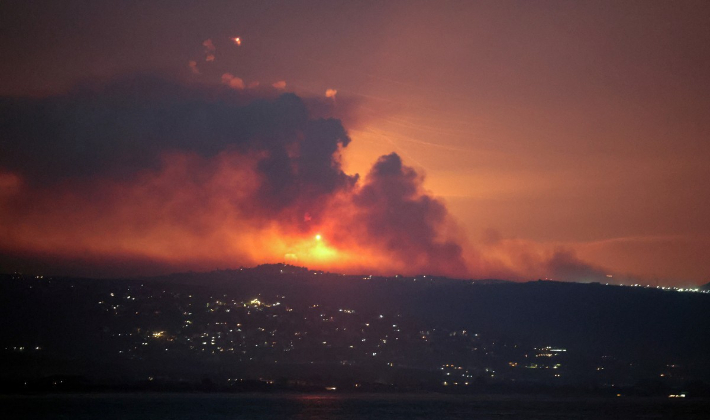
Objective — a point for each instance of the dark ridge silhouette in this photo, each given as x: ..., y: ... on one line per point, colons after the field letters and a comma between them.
x: 310, y: 329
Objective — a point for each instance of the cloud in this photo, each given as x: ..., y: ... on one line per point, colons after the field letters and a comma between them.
x: 209, y: 46
x: 209, y: 58
x: 193, y: 66
x: 330, y: 93
x: 281, y: 84
x: 232, y: 81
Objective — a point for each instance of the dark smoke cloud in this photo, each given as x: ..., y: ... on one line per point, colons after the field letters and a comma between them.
x: 406, y: 221
x: 155, y: 174
x: 117, y: 129
x: 143, y: 159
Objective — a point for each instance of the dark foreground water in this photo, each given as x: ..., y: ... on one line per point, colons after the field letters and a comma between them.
x: 336, y: 407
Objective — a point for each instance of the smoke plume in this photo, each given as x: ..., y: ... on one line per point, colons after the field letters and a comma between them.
x: 146, y: 173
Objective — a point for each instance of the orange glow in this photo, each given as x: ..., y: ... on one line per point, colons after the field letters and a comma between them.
x: 233, y: 81
x: 316, y: 253
x: 589, y: 137
x: 169, y: 220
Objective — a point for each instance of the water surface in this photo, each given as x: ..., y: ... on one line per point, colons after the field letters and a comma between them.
x: 342, y: 407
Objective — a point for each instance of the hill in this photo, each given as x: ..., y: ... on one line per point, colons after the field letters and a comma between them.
x: 311, y: 328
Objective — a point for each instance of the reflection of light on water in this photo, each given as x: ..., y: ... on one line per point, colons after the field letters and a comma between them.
x: 319, y: 406
x: 318, y: 397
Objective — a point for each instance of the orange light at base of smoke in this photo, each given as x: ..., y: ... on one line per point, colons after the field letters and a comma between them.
x: 192, y: 214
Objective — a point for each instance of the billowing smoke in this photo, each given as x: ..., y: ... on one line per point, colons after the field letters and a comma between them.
x: 153, y: 171
x: 408, y: 223
x: 117, y: 130
x: 146, y: 175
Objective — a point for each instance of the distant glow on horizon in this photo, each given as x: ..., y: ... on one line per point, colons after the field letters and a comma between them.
x: 321, y: 252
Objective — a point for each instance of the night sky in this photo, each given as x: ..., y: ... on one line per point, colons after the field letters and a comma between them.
x: 506, y: 139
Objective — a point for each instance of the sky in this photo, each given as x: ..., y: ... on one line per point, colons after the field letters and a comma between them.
x: 507, y: 139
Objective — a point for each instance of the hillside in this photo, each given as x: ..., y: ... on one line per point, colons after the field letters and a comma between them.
x: 309, y: 327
